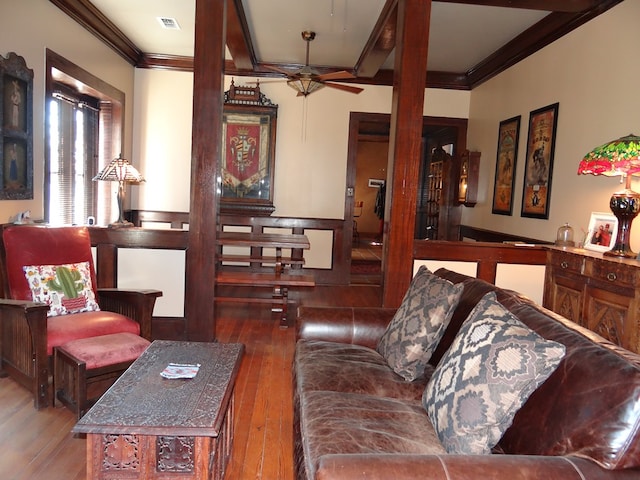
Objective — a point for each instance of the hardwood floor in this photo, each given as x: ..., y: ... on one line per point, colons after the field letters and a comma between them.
x: 38, y: 444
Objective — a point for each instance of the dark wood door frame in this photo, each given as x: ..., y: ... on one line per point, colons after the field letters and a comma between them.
x: 381, y: 122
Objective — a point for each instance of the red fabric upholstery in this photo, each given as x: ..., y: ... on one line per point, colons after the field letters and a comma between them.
x: 107, y: 349
x: 65, y: 328
x: 41, y: 245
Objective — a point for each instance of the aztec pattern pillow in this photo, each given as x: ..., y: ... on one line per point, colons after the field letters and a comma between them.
x: 418, y: 325
x: 494, y: 364
x: 65, y: 288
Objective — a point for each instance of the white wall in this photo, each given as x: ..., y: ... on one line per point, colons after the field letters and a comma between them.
x: 593, y: 73
x: 29, y: 27
x: 311, y: 140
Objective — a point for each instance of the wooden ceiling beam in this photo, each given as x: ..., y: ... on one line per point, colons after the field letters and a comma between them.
x: 569, y: 6
x: 550, y: 28
x: 238, y: 36
x: 381, y: 42
x: 87, y: 15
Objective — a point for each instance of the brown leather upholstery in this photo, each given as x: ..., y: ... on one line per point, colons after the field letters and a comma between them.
x: 355, y: 418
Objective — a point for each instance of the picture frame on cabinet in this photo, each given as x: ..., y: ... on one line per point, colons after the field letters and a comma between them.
x: 602, y: 233
x: 538, y: 172
x: 506, y: 159
x: 16, y: 128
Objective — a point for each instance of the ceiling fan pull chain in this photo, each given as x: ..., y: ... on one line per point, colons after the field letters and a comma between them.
x: 346, y: 16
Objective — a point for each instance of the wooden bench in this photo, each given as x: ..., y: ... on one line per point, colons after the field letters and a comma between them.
x: 279, y: 283
x: 265, y: 260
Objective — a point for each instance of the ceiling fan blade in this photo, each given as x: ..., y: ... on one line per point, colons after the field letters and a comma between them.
x: 280, y: 70
x: 261, y: 82
x: 341, y: 75
x: 346, y: 88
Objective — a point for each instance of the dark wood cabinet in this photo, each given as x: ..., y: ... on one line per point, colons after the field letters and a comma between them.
x: 597, y: 292
x: 468, y: 178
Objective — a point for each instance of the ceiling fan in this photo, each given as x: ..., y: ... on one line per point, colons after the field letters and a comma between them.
x: 307, y: 80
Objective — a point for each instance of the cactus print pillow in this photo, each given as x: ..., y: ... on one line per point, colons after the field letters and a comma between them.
x: 65, y: 288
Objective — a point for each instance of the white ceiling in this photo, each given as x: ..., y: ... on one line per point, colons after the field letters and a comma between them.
x: 460, y: 35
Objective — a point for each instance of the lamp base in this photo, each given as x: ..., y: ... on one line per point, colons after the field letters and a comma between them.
x: 625, y: 205
x: 123, y: 224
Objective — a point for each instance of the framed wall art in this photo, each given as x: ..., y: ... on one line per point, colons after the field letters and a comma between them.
x: 248, y: 155
x: 603, y: 230
x: 538, y: 171
x: 506, y: 157
x: 16, y: 128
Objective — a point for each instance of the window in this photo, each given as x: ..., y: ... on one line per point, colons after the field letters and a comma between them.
x: 73, y: 158
x: 83, y: 133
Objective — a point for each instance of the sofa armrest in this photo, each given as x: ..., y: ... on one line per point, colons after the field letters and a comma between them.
x: 357, y: 325
x: 135, y: 304
x: 26, y: 363
x: 464, y: 467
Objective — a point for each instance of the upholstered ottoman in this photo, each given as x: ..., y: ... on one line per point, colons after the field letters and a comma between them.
x: 84, y: 369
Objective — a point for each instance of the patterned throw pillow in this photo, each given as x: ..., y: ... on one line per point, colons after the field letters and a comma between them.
x: 65, y: 288
x: 418, y: 325
x: 494, y: 364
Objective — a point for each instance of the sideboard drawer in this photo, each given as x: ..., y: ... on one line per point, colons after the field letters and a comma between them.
x: 567, y: 261
x: 611, y: 272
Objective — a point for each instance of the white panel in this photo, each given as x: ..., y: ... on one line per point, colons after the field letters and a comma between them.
x: 466, y: 268
x: 525, y: 279
x: 319, y: 255
x: 155, y: 269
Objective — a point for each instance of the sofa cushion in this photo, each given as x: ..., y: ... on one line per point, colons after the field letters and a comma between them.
x: 65, y: 288
x: 346, y: 368
x: 494, y: 364
x: 419, y: 323
x: 345, y: 423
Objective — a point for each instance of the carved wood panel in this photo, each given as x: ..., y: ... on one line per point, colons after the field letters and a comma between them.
x: 599, y: 293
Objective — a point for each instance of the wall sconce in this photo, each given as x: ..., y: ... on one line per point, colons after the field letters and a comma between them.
x: 618, y: 157
x: 121, y: 171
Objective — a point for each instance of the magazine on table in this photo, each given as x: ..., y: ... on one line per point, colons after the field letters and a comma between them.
x: 180, y: 370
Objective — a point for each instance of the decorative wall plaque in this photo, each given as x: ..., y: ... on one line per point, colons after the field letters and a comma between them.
x: 248, y: 154
x: 16, y: 128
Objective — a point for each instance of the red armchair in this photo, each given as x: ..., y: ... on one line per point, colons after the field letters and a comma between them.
x: 27, y: 333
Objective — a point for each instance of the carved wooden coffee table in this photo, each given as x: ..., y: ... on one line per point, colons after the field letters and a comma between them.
x: 147, y: 426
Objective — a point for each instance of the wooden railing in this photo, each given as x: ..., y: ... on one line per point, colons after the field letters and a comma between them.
x: 486, y: 255
x: 336, y: 274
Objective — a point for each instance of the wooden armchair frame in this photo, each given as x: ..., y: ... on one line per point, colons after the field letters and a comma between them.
x: 23, y: 332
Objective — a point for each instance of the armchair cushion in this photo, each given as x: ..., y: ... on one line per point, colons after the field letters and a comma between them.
x: 65, y: 328
x: 65, y: 288
x: 494, y: 364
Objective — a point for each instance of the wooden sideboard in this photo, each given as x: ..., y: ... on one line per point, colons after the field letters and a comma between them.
x: 600, y: 293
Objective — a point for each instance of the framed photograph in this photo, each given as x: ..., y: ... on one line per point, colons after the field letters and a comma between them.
x: 603, y: 229
x: 248, y: 154
x: 506, y: 157
x: 16, y: 132
x: 538, y: 171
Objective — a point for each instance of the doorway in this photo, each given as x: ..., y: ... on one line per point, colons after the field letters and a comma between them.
x: 367, y: 161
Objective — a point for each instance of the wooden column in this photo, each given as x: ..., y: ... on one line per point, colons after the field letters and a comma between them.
x: 208, y: 91
x: 405, y: 145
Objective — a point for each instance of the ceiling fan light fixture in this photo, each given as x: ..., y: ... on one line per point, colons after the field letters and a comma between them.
x: 304, y: 86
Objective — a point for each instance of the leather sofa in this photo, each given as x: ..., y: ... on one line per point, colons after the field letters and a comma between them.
x: 355, y: 418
